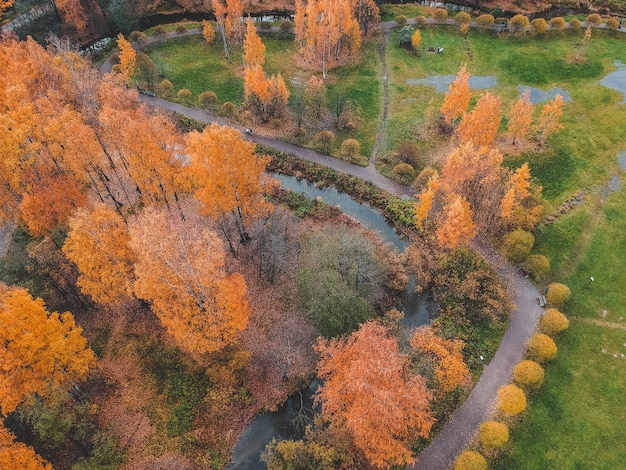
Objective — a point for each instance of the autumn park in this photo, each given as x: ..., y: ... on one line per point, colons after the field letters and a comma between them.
x: 177, y: 291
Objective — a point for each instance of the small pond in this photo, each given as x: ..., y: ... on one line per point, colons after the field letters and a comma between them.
x: 616, y: 80
x: 537, y: 95
x: 418, y: 310
x: 621, y: 159
x: 442, y: 82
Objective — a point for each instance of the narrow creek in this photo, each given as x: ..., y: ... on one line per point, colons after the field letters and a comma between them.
x: 283, y: 423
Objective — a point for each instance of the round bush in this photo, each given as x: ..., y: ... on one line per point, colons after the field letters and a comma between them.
x: 228, y: 109
x: 180, y: 29
x: 401, y: 20
x: 553, y: 322
x: 425, y: 175
x: 350, y: 148
x: 485, y: 20
x: 470, y: 460
x: 574, y: 23
x: 528, y: 374
x: 511, y: 399
x: 404, y: 173
x: 440, y: 15
x: 300, y: 132
x: 493, y: 434
x: 557, y: 294
x: 420, y: 20
x: 286, y: 26
x: 164, y: 88
x: 541, y: 348
x: 612, y: 23
x: 557, y: 23
x: 517, y: 244
x: 184, y: 94
x: 265, y: 25
x: 207, y: 99
x: 324, y: 141
x: 538, y: 266
x: 594, y: 19
x: 463, y: 17
x: 160, y: 31
x: 409, y: 152
x: 538, y: 26
x: 519, y: 22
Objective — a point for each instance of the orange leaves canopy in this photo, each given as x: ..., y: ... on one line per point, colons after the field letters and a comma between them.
x: 180, y: 271
x: 367, y: 382
x: 98, y: 243
x: 519, y: 205
x: 520, y: 117
x: 253, y: 47
x: 480, y: 126
x: 457, y: 227
x: 40, y: 350
x: 448, y: 365
x: 228, y: 175
x: 15, y: 455
x: 457, y: 98
x: 549, y: 117
x: 128, y: 58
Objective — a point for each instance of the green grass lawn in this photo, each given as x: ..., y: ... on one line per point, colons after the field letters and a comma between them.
x: 189, y: 63
x: 592, y: 120
x: 577, y: 419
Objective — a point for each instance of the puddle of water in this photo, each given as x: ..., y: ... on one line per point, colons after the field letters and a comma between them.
x: 621, y: 160
x: 615, y: 184
x: 616, y: 80
x: 537, y: 95
x: 442, y: 82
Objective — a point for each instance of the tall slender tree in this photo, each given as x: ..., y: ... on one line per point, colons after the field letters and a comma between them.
x: 457, y: 98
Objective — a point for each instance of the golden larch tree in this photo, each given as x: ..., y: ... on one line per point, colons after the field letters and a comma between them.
x: 219, y: 10
x: 425, y: 201
x: 128, y: 58
x: 521, y: 204
x: 253, y: 47
x: 98, y: 244
x: 234, y: 15
x: 16, y: 455
x: 368, y: 383
x: 520, y: 117
x: 445, y: 355
x: 41, y: 350
x: 549, y: 119
x: 229, y: 177
x: 457, y: 98
x: 416, y: 39
x: 480, y: 126
x: 208, y: 33
x: 180, y: 271
x: 456, y: 227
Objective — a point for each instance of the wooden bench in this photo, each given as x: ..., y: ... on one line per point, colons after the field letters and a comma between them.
x: 542, y: 301
x: 430, y: 49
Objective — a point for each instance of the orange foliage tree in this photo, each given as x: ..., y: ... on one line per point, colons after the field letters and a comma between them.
x: 367, y: 382
x: 128, y: 58
x: 98, y: 243
x: 15, y: 455
x: 425, y: 200
x: 220, y: 18
x: 480, y: 126
x: 73, y: 14
x: 229, y: 177
x: 234, y: 14
x: 366, y: 13
x: 448, y: 365
x: 457, y: 98
x: 549, y: 117
x: 41, y: 350
x: 253, y: 47
x: 520, y: 204
x: 5, y: 5
x: 208, y: 33
x: 520, y: 117
x: 457, y: 227
x: 180, y: 271
x: 327, y: 30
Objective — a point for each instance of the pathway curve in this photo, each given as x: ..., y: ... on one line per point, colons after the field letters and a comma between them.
x: 480, y: 403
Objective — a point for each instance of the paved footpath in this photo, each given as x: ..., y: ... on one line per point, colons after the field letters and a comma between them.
x: 479, y: 405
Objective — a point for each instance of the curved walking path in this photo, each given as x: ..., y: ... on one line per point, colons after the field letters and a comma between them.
x: 480, y: 404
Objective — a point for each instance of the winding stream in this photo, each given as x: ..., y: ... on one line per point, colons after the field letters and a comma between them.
x: 417, y: 311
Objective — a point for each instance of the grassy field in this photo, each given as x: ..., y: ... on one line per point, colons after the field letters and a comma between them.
x: 189, y: 63
x: 576, y: 420
x: 541, y: 62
